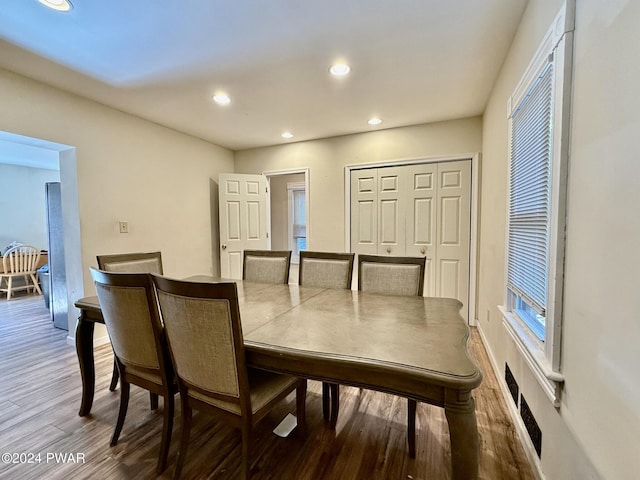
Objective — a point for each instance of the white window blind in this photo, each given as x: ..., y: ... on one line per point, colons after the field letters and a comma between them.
x: 529, y: 193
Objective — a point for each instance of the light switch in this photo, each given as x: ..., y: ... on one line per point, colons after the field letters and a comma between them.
x: 124, y: 226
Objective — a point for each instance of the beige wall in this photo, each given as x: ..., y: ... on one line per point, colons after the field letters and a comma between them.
x: 596, y: 431
x: 22, y: 205
x: 326, y: 159
x: 157, y: 179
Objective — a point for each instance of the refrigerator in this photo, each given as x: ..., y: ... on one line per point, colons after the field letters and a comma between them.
x: 57, y: 276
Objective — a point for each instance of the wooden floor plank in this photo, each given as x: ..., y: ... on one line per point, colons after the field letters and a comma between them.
x: 40, y: 397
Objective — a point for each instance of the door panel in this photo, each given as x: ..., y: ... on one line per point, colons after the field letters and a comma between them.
x: 391, y: 211
x: 243, y: 219
x: 454, y: 225
x: 364, y: 211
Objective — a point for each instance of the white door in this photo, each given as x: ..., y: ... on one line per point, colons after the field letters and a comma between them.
x: 417, y: 210
x: 243, y: 219
x: 453, y: 231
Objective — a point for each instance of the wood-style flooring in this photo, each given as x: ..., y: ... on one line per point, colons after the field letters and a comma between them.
x: 40, y: 397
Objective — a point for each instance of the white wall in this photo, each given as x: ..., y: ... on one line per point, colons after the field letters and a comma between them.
x: 596, y: 431
x: 157, y: 179
x: 326, y: 159
x: 22, y: 205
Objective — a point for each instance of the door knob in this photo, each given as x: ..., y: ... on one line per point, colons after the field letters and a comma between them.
x: 224, y: 247
x: 388, y: 250
x: 422, y: 250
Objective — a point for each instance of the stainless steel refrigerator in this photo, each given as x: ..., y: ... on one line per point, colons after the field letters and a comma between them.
x: 57, y: 277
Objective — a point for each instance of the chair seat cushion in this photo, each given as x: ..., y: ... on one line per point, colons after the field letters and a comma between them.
x: 264, y: 387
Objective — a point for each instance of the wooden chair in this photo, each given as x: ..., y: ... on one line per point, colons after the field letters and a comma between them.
x: 20, y: 262
x: 202, y: 323
x: 394, y: 276
x: 130, y: 311
x: 266, y: 266
x: 139, y: 262
x: 327, y: 270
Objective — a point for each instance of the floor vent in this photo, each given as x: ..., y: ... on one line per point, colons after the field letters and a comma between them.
x: 511, y: 383
x: 531, y: 425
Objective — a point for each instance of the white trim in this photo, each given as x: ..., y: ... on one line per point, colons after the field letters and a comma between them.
x: 473, y: 241
x: 523, y: 435
x: 292, y: 187
x: 533, y: 353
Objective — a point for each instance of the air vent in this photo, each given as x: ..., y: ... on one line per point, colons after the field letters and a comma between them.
x: 511, y: 383
x: 531, y: 425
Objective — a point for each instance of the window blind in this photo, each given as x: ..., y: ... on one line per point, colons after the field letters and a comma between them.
x: 529, y: 207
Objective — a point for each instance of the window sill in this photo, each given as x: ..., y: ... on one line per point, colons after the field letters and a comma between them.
x: 532, y: 350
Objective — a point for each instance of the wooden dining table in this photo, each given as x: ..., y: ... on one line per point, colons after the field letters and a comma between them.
x: 413, y: 347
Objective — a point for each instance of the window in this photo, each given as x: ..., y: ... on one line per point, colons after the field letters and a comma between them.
x: 538, y: 134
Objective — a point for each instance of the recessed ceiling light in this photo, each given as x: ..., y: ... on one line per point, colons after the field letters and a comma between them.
x: 287, y: 135
x: 374, y: 121
x: 60, y: 5
x: 221, y: 99
x: 340, y: 69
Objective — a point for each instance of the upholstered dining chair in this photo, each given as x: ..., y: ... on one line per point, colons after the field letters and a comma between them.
x: 202, y: 323
x: 130, y: 312
x: 327, y: 270
x: 266, y: 266
x: 20, y: 262
x: 137, y: 262
x: 394, y: 276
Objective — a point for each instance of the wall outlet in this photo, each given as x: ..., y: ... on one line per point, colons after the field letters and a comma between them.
x: 124, y: 226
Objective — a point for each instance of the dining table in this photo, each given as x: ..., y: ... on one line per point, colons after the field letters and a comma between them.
x: 413, y: 347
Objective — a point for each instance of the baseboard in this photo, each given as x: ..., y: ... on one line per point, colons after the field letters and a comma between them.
x: 523, y: 435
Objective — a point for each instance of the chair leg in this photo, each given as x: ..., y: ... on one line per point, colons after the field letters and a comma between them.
x: 9, y: 281
x: 124, y: 404
x: 153, y: 400
x: 114, y: 377
x: 411, y: 430
x: 184, y: 439
x: 335, y: 405
x: 35, y: 283
x: 167, y: 427
x: 326, y: 409
x: 301, y: 406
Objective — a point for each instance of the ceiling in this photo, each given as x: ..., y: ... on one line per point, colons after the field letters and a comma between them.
x: 412, y: 61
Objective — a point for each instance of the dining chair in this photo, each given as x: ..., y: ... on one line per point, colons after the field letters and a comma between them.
x: 394, y: 276
x: 130, y: 312
x: 266, y: 266
x: 327, y: 270
x: 137, y: 262
x: 204, y: 333
x: 20, y: 262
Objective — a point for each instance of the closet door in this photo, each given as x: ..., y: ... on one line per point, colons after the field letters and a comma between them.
x: 392, y: 190
x: 453, y: 231
x: 421, y: 220
x: 364, y: 211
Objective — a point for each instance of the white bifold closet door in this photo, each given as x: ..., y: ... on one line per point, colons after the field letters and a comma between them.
x: 417, y: 210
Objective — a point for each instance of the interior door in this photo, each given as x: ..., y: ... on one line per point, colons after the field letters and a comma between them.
x: 364, y: 211
x: 243, y: 219
x: 391, y: 211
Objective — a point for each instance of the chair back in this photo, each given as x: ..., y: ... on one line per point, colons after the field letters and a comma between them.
x: 129, y: 308
x: 325, y: 269
x: 21, y: 259
x: 266, y: 266
x: 202, y: 324
x: 150, y: 262
x: 391, y: 275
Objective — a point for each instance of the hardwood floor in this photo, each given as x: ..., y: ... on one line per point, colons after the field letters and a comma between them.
x: 40, y: 397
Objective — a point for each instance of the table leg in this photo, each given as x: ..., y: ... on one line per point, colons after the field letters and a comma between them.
x: 84, y: 349
x: 463, y: 432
